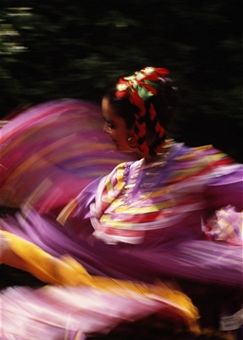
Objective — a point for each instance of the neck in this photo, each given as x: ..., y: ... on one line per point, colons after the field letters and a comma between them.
x: 162, y: 153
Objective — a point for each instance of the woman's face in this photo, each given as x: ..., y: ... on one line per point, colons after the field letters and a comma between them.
x: 116, y: 128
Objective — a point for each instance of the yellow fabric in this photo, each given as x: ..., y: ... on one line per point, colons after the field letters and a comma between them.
x: 67, y: 271
x: 44, y: 266
x: 66, y: 211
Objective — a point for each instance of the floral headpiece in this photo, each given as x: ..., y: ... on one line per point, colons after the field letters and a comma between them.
x: 139, y: 88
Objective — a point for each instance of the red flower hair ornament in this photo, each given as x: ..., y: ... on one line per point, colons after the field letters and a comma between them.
x: 138, y: 88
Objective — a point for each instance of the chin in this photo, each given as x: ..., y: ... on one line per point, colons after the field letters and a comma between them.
x: 117, y: 145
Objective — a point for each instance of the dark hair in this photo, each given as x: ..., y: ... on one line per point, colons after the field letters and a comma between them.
x: 122, y: 107
x: 165, y: 102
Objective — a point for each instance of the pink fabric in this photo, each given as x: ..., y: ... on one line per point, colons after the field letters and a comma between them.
x: 51, y: 151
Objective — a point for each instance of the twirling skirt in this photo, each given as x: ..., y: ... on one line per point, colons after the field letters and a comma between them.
x: 51, y: 152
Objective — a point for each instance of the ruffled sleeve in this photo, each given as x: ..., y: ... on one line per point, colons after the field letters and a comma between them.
x: 224, y: 200
x: 225, y: 188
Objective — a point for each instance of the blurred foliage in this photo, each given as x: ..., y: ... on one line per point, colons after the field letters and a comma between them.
x: 55, y: 49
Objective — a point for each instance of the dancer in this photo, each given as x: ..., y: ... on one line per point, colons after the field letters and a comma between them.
x: 172, y: 215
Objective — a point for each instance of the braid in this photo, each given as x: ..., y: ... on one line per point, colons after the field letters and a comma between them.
x: 140, y: 130
x: 140, y: 89
x: 158, y: 130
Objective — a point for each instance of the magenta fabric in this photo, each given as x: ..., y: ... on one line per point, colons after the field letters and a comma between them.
x: 56, y: 150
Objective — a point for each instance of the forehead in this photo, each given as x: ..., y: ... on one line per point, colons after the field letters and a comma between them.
x: 109, y: 112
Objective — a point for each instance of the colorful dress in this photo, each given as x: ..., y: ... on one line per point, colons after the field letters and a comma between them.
x: 123, y: 238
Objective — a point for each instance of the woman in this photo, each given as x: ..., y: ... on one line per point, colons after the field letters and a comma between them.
x: 172, y: 215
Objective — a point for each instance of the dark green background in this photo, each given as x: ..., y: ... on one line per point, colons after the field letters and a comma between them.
x: 69, y: 48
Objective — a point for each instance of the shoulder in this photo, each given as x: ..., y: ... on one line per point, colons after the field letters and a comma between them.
x: 205, y: 155
x: 200, y: 161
